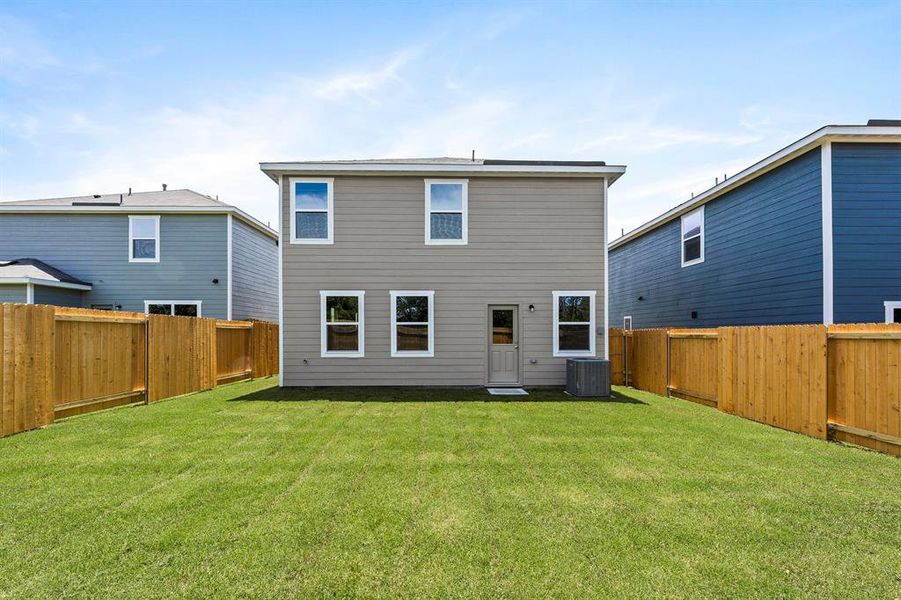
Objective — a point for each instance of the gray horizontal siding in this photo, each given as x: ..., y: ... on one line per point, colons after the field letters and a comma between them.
x: 763, y: 259
x: 527, y: 238
x: 57, y: 296
x: 13, y: 293
x: 254, y: 274
x: 866, y: 215
x: 94, y: 248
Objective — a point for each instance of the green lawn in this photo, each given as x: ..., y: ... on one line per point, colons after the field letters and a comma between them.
x: 248, y: 490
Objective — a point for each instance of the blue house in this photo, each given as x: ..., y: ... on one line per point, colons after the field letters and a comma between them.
x: 810, y: 234
x: 166, y: 252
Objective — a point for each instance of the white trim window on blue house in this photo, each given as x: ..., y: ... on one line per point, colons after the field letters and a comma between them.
x: 892, y: 311
x: 693, y: 238
x: 175, y: 308
x: 144, y: 238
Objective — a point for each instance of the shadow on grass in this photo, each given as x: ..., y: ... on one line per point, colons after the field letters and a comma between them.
x: 378, y: 394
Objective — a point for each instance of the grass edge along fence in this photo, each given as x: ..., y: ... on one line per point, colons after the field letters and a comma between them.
x: 842, y: 381
x: 58, y: 362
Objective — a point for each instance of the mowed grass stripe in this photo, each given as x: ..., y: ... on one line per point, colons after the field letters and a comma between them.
x: 254, y: 491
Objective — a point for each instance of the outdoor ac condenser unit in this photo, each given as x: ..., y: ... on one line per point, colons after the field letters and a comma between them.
x: 588, y: 377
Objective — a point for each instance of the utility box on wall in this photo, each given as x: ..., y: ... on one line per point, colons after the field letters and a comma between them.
x: 588, y: 377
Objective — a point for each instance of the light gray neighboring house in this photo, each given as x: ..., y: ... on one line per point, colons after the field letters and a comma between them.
x: 171, y: 251
x: 441, y: 272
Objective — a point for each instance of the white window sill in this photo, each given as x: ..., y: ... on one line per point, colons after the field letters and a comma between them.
x: 341, y: 355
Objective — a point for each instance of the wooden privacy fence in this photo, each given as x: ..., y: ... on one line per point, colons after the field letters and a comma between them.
x: 58, y: 362
x: 843, y: 380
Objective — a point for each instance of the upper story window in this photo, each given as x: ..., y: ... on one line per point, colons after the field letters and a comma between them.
x: 312, y: 211
x: 574, y: 323
x: 341, y: 323
x: 693, y: 238
x: 144, y: 239
x: 412, y: 323
x: 446, y: 211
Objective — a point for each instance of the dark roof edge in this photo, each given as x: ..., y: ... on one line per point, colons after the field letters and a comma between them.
x: 549, y: 163
x: 49, y: 269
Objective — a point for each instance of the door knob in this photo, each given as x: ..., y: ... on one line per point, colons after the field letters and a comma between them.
x: 516, y: 346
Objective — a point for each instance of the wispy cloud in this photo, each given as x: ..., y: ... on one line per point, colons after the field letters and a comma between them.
x: 364, y: 83
x: 22, y: 50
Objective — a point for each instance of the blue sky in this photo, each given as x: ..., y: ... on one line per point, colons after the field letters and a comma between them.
x: 99, y: 97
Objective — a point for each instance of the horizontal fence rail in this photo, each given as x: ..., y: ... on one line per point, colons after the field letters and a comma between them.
x: 842, y: 381
x: 58, y: 362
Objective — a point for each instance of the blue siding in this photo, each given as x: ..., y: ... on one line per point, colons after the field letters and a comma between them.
x: 763, y: 259
x: 57, y: 296
x: 13, y: 293
x: 94, y: 248
x: 254, y: 274
x: 866, y: 225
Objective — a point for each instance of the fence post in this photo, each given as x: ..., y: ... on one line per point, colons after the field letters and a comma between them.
x: 669, y: 347
x: 146, y: 359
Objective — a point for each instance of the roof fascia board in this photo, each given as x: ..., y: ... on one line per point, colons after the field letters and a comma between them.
x: 611, y: 172
x: 830, y: 133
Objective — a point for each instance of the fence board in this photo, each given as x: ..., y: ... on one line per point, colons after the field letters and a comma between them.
x: 265, y: 349
x: 181, y: 356
x: 26, y: 378
x: 694, y: 365
x: 234, y: 356
x: 779, y: 378
x: 97, y: 357
x: 649, y: 360
x: 864, y: 387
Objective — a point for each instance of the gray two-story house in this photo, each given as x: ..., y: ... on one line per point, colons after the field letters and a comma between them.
x: 810, y: 234
x: 165, y: 252
x: 441, y: 272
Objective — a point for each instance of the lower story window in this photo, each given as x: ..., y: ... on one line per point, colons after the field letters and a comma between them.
x: 177, y: 308
x: 341, y: 319
x: 574, y: 323
x: 412, y: 323
x: 893, y: 311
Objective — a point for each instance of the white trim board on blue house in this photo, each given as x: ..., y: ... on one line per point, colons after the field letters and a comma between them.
x: 830, y: 133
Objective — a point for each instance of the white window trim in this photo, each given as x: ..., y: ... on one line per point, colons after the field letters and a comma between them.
x: 682, y: 239
x: 131, y: 239
x: 627, y: 318
x: 464, y: 211
x: 890, y: 307
x: 592, y: 334
x: 330, y: 209
x: 323, y: 324
x: 430, y: 294
x: 172, y: 303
